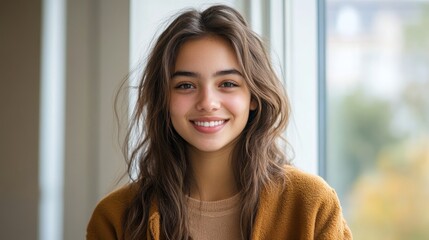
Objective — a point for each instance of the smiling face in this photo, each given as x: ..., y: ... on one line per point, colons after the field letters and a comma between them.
x: 210, y: 100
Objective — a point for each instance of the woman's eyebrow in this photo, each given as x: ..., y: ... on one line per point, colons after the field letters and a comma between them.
x: 185, y: 74
x: 216, y: 74
x: 227, y: 72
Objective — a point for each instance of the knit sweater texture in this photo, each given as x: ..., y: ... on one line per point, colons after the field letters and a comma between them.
x: 305, y: 208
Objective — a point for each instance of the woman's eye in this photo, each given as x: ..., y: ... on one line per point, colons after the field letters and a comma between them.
x: 228, y: 84
x: 184, y: 86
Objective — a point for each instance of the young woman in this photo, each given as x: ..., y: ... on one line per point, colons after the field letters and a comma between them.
x: 210, y: 112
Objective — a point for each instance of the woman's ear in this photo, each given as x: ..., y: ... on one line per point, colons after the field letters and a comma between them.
x: 253, y: 104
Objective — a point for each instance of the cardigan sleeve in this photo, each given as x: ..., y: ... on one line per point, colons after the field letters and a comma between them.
x: 106, y: 220
x: 330, y: 223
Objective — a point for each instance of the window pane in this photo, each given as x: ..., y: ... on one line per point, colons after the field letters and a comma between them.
x: 378, y: 115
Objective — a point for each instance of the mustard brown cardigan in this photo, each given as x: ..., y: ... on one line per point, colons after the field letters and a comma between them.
x: 306, y: 208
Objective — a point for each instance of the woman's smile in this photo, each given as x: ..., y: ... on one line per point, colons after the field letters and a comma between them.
x: 207, y: 126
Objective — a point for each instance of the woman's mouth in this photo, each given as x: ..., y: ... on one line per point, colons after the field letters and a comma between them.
x: 209, y: 126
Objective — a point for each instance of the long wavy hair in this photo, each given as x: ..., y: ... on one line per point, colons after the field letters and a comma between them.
x: 158, y: 153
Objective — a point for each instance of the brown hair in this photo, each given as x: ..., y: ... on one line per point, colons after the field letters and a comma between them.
x: 157, y: 150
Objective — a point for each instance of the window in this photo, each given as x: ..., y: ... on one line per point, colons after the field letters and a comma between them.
x: 377, y: 79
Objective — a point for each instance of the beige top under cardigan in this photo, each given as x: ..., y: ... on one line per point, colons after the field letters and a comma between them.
x: 215, y: 219
x: 305, y: 209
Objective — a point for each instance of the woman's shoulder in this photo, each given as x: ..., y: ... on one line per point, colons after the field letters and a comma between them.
x: 299, y: 182
x: 106, y: 220
x: 118, y: 200
x: 302, y: 188
x: 303, y: 202
x: 120, y: 196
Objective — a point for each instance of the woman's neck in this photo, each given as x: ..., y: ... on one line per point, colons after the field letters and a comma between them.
x: 213, y: 175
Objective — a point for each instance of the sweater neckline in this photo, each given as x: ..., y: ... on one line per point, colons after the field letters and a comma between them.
x: 224, y: 205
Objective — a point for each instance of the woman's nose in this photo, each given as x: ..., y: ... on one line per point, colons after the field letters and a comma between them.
x: 208, y: 100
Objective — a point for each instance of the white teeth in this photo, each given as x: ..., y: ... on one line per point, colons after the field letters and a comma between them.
x: 209, y: 124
